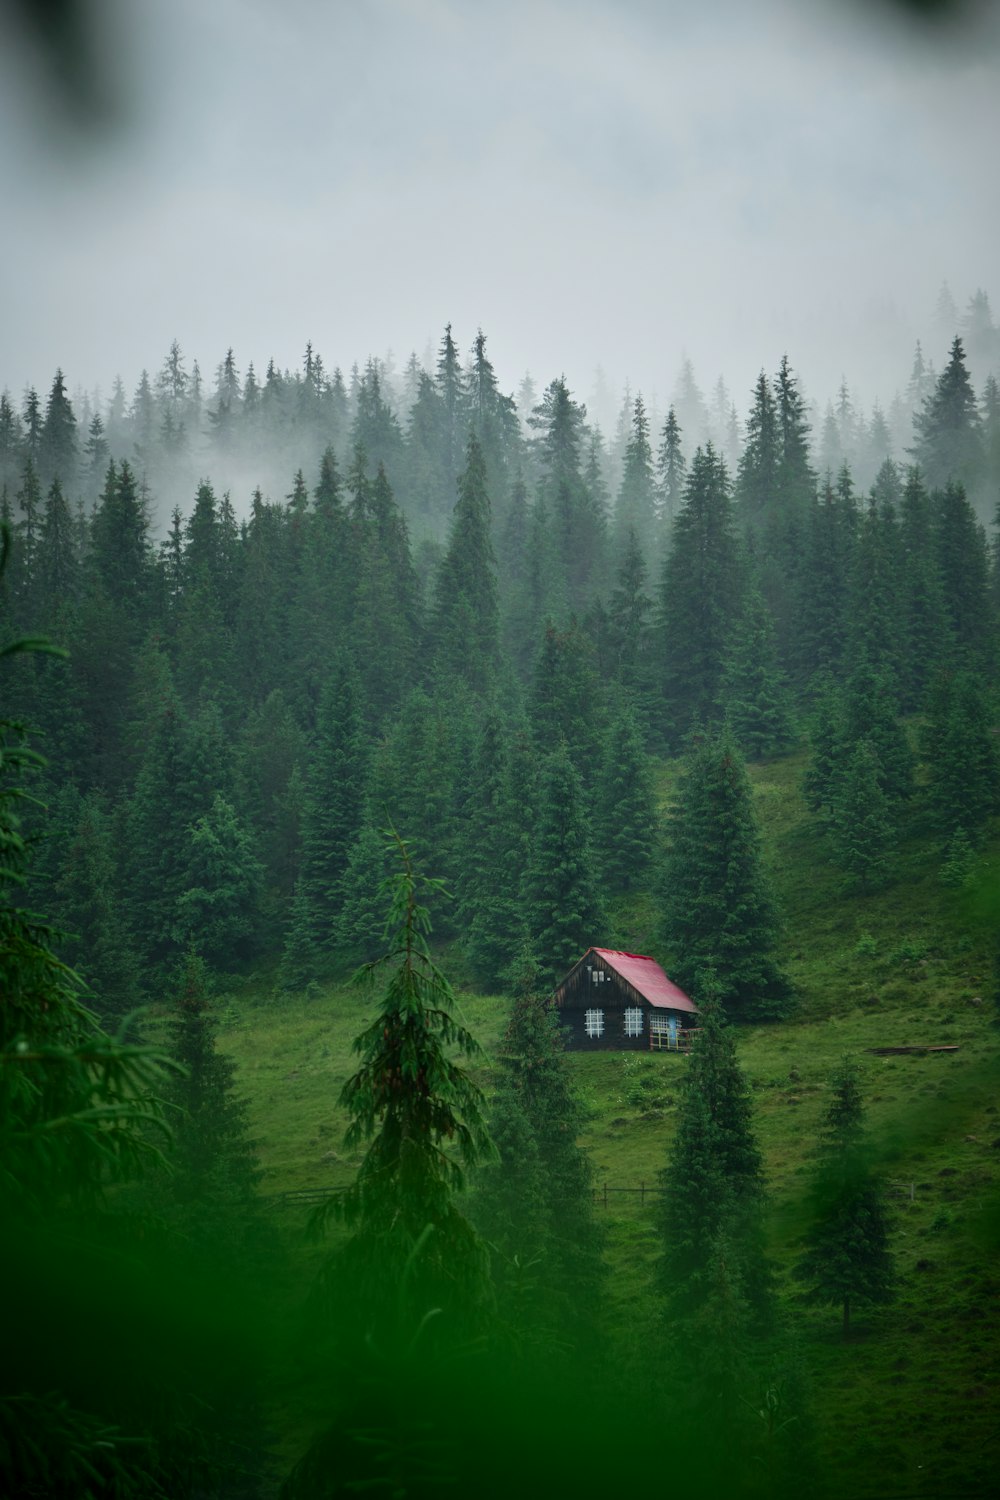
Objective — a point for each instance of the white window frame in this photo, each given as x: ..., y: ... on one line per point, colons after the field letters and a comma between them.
x: 593, y: 1022
x: 633, y: 1020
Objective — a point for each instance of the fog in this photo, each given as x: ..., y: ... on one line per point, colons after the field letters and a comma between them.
x: 594, y: 184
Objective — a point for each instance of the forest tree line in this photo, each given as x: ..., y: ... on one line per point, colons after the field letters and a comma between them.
x: 248, y: 700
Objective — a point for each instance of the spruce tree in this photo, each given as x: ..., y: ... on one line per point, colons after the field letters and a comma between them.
x: 947, y: 440
x: 859, y: 821
x: 963, y: 762
x: 411, y: 1249
x: 498, y: 817
x: 332, y: 814
x: 635, y: 513
x: 870, y: 713
x: 757, y: 476
x: 630, y: 634
x: 465, y: 619
x: 700, y: 600
x: 563, y: 911
x: 847, y: 1260
x: 758, y: 708
x: 625, y: 809
x: 718, y: 912
x: 91, y: 909
x: 671, y: 466
x: 215, y: 1161
x: 713, y: 1182
x: 534, y: 1204
x: 217, y: 913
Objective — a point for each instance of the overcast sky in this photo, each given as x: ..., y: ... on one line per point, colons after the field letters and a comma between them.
x: 591, y: 182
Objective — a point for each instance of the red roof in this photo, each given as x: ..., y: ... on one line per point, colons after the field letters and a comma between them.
x: 645, y: 975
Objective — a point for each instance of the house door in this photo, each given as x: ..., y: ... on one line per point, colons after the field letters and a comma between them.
x: 672, y: 1032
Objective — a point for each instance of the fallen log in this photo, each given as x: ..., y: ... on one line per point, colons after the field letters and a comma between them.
x: 898, y: 1051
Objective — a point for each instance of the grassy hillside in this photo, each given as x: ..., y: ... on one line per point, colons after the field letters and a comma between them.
x: 917, y: 1383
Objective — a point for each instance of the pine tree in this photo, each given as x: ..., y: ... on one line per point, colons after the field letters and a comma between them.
x: 411, y: 1249
x: 823, y: 581
x: 827, y: 734
x: 671, y: 466
x: 700, y: 599
x: 947, y: 442
x: 795, y: 482
x: 718, y: 912
x: 498, y: 816
x: 534, y: 1204
x: 215, y: 1160
x: 859, y: 820
x: 331, y: 816
x: 91, y: 910
x: 361, y: 928
x: 635, y: 513
x: 963, y: 568
x: 870, y: 713
x: 962, y: 757
x: 577, y: 525
x: 625, y: 809
x: 57, y: 450
x: 465, y: 620
x: 758, y: 708
x: 847, y: 1259
x: 630, y: 634
x: 567, y: 705
x: 712, y: 1272
x: 217, y: 913
x: 562, y: 907
x: 757, y: 477
x: 923, y: 625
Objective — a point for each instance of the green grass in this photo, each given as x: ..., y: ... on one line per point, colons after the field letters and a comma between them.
x: 917, y: 1383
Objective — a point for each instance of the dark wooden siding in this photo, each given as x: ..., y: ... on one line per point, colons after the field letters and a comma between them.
x: 579, y: 993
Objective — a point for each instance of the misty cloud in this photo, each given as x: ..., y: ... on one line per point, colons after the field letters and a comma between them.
x: 591, y: 183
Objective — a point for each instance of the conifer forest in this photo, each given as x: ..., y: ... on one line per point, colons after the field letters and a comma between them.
x: 499, y: 843
x: 461, y: 688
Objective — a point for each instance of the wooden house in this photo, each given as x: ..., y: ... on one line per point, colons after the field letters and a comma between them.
x: 622, y: 1002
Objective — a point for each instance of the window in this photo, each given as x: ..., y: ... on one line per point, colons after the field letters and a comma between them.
x: 593, y: 1022
x: 633, y: 1021
x: 659, y: 1025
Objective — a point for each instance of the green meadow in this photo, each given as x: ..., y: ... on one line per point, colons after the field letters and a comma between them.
x: 915, y: 1385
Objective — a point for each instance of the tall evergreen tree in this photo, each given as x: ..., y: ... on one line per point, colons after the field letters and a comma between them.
x: 758, y: 708
x: 465, y: 621
x: 713, y: 1183
x: 534, y: 1204
x: 499, y: 818
x: 947, y: 444
x: 625, y: 809
x: 757, y: 477
x: 332, y: 814
x: 847, y: 1260
x: 671, y: 468
x: 718, y: 912
x: 411, y: 1249
x: 635, y: 513
x: 57, y: 452
x: 962, y: 757
x: 701, y: 599
x: 562, y: 906
x: 859, y: 820
x: 215, y: 1160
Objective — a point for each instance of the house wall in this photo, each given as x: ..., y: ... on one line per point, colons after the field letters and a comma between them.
x: 579, y: 993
